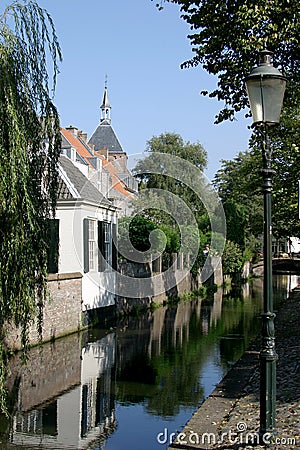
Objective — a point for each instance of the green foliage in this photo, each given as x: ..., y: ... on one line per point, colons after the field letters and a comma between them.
x: 235, y: 222
x: 248, y: 254
x: 232, y: 258
x: 154, y: 173
x: 226, y: 35
x: 284, y: 142
x: 166, y: 195
x: 140, y: 233
x: 172, y: 238
x: 29, y: 150
x: 239, y: 185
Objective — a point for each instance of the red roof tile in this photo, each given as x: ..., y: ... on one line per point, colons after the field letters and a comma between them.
x: 80, y: 148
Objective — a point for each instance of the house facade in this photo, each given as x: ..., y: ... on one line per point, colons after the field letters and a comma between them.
x: 95, y: 188
x: 87, y: 225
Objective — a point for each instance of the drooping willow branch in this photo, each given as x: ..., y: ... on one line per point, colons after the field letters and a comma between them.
x: 29, y: 150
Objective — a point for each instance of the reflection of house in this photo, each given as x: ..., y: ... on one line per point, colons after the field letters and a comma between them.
x: 79, y: 415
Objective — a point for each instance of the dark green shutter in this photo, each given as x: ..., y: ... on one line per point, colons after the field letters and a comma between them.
x: 114, y: 247
x: 86, y: 265
x: 53, y: 244
x: 101, y: 247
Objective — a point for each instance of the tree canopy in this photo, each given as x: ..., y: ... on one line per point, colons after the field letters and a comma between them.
x: 175, y: 194
x: 157, y: 172
x: 29, y: 150
x: 239, y: 185
x: 225, y: 35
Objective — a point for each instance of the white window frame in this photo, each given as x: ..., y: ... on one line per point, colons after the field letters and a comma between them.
x: 92, y: 245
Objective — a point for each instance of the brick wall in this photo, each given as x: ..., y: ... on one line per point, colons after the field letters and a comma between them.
x: 62, y: 312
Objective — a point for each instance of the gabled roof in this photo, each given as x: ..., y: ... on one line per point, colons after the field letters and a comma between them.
x: 73, y: 184
x: 117, y: 184
x: 105, y: 137
x: 76, y: 142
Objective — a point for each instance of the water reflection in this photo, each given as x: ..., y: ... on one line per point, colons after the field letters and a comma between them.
x: 87, y: 391
x: 65, y: 397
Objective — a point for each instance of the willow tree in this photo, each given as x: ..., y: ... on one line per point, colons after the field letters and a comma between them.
x: 29, y: 149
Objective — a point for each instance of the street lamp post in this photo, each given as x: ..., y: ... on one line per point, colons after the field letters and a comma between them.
x: 265, y: 88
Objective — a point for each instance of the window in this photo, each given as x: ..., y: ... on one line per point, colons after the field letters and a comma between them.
x: 104, y: 246
x: 92, y: 245
x: 89, y: 245
x: 107, y: 243
x: 104, y: 240
x: 107, y: 250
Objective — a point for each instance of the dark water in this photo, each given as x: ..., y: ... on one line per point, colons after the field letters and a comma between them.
x: 131, y: 387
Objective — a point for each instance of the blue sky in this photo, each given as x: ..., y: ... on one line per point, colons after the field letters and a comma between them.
x: 140, y: 50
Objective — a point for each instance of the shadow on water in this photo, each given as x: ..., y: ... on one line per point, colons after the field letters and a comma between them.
x: 119, y: 388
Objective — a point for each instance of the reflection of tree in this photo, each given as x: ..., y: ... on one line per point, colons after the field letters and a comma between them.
x: 168, y: 376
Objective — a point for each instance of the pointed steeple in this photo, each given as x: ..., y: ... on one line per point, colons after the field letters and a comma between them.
x: 104, y: 136
x: 105, y: 107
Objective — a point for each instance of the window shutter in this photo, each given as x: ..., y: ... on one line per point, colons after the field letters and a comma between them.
x: 53, y: 244
x: 86, y: 266
x: 101, y: 247
x: 114, y: 247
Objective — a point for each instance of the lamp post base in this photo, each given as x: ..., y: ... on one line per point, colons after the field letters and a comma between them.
x: 268, y: 358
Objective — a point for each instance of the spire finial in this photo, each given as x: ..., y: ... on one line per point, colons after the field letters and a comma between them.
x: 105, y: 107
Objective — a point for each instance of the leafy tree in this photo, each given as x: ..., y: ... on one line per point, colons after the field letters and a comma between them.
x: 29, y: 150
x: 225, y: 35
x: 235, y: 222
x: 172, y: 238
x: 232, y: 258
x: 239, y: 185
x: 136, y: 231
x: 286, y: 164
x: 177, y: 196
x: 154, y: 171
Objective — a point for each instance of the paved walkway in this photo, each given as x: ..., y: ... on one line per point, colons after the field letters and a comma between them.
x: 229, y: 418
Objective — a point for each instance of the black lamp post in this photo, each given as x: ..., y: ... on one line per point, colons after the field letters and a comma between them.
x: 265, y: 87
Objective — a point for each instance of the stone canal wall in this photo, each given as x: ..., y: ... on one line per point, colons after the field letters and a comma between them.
x: 183, y: 283
x: 177, y: 282
x: 62, y: 312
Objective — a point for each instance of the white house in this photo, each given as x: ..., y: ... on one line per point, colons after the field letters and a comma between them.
x: 85, y: 230
x: 95, y: 187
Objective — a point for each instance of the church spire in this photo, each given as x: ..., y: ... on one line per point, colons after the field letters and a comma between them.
x: 105, y: 107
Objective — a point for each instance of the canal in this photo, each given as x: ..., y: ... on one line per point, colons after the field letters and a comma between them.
x: 133, y: 385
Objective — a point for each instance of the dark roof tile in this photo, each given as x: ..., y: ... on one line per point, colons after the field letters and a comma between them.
x: 105, y: 137
x: 83, y: 186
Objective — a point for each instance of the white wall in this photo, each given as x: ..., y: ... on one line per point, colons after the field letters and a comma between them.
x: 98, y: 288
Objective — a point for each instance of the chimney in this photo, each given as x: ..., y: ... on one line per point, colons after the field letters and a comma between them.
x: 104, y: 152
x: 73, y: 130
x: 82, y: 136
